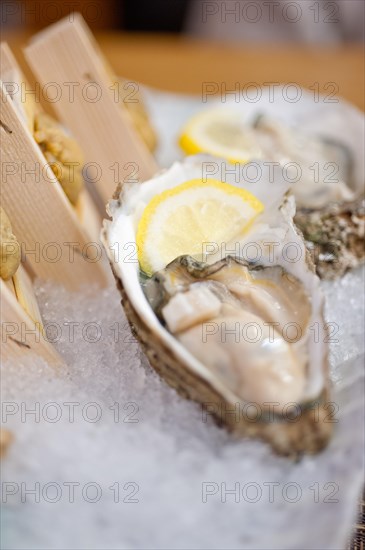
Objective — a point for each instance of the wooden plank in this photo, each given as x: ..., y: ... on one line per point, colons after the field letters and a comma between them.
x: 22, y: 329
x: 44, y: 222
x: 13, y: 79
x: 22, y: 324
x: 24, y: 292
x: 66, y: 53
x: 18, y: 88
x: 8, y: 63
x: 21, y: 337
x: 88, y: 215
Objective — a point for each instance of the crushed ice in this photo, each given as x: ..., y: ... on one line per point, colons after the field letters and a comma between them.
x: 130, y: 464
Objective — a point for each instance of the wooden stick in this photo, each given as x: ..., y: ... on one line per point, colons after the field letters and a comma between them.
x: 44, y: 222
x: 66, y: 55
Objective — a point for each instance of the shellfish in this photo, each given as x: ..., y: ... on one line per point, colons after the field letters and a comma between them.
x: 218, y: 328
x: 322, y: 154
x: 329, y: 194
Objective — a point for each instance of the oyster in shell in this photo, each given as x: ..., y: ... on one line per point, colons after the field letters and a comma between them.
x: 228, y: 331
x: 230, y: 310
x: 322, y: 155
x: 329, y: 193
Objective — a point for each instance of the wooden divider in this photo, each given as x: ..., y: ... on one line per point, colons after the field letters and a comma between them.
x: 21, y: 336
x: 66, y: 59
x: 28, y: 105
x: 42, y: 219
x: 57, y: 247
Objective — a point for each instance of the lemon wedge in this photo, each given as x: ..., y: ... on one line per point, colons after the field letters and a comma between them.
x: 221, y: 133
x: 183, y: 219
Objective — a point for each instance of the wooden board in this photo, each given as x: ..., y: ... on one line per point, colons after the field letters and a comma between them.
x: 67, y: 53
x: 21, y: 337
x: 17, y: 86
x: 43, y: 220
x: 13, y: 78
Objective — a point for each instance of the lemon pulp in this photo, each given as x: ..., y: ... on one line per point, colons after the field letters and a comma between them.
x: 182, y: 220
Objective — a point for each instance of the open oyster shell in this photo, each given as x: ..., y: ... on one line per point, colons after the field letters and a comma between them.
x: 291, y: 412
x: 329, y: 194
x: 335, y: 236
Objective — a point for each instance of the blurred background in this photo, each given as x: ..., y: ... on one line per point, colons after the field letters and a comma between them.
x: 282, y: 21
x: 178, y: 45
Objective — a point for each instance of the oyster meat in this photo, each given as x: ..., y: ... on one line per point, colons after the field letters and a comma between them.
x: 227, y: 330
x: 230, y: 310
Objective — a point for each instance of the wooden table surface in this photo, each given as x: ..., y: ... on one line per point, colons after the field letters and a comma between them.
x: 182, y: 64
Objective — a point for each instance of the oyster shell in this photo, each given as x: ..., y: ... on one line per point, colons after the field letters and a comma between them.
x: 334, y: 236
x: 285, y: 380
x: 329, y: 193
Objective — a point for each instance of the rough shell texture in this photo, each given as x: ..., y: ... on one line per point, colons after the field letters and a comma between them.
x: 308, y: 433
x: 335, y: 236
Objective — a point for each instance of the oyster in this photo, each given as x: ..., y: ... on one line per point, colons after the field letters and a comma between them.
x: 322, y: 156
x: 335, y: 236
x: 280, y: 143
x: 219, y: 328
x: 328, y: 193
x: 230, y: 310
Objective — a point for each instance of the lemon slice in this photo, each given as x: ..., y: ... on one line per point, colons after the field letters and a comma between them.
x: 182, y: 219
x: 221, y: 133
